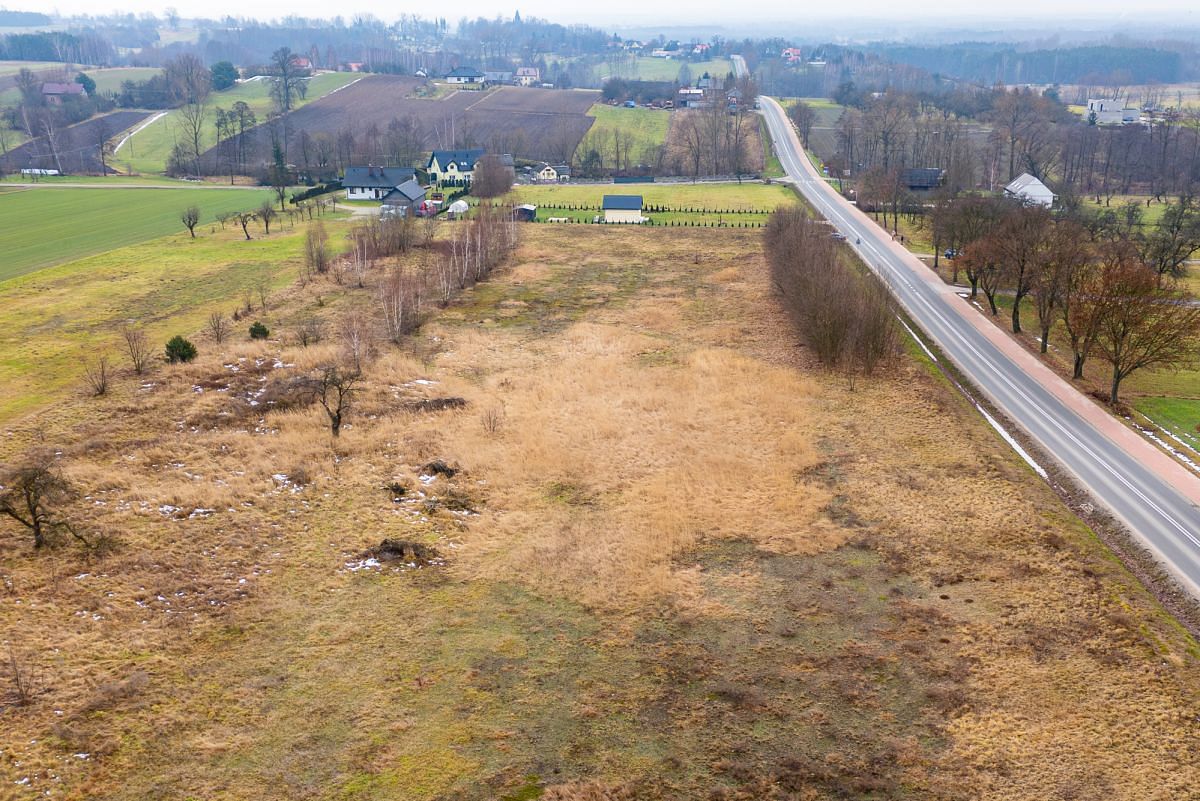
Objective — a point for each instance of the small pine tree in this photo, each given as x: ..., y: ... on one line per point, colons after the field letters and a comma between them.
x: 180, y: 350
x: 259, y: 331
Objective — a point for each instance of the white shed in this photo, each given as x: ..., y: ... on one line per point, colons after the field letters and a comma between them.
x: 622, y: 208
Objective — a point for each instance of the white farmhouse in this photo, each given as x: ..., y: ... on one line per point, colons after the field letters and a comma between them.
x: 1030, y: 190
x: 372, y: 183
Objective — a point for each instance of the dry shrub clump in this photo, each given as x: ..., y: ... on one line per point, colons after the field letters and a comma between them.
x: 845, y: 315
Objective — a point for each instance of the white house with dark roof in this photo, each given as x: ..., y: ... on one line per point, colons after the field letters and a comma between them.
x: 454, y: 167
x: 529, y: 76
x: 372, y: 183
x: 1030, y: 190
x: 467, y: 75
x: 622, y: 209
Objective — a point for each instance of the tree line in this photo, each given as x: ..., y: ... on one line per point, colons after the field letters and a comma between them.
x: 1103, y: 286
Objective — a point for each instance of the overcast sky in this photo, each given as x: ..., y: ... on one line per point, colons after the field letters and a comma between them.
x: 627, y: 13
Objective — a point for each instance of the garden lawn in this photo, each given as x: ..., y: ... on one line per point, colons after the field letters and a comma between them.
x: 48, y: 226
x: 149, y: 150
x: 648, y: 127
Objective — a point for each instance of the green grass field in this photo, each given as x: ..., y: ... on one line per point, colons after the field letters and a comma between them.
x: 664, y: 69
x: 647, y: 125
x: 54, y: 319
x: 109, y: 80
x: 748, y: 196
x: 13, y: 67
x: 44, y: 227
x: 1180, y: 416
x: 148, y: 150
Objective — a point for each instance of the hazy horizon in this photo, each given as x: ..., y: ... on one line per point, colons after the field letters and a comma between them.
x: 779, y: 16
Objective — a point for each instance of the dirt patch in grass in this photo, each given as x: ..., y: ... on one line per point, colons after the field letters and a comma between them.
x: 673, y: 561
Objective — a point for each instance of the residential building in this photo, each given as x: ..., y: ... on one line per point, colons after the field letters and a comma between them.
x: 403, y: 199
x: 497, y: 78
x: 464, y: 75
x: 529, y: 76
x: 791, y: 55
x: 622, y: 209
x: 545, y: 173
x: 922, y: 178
x: 55, y: 92
x: 373, y: 183
x: 1030, y: 190
x: 1109, y: 111
x: 453, y: 167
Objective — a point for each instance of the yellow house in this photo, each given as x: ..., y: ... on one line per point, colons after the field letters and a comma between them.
x: 453, y: 167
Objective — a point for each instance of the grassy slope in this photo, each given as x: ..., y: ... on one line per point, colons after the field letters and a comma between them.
x: 49, y: 226
x: 109, y: 80
x: 149, y: 150
x: 53, y: 319
x: 700, y: 567
x: 648, y: 127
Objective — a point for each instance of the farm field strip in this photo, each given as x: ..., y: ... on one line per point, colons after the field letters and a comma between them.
x: 149, y: 150
x: 648, y: 127
x: 47, y: 226
x: 532, y: 123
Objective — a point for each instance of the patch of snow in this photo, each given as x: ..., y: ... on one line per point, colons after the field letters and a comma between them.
x: 167, y: 509
x: 919, y: 341
x: 370, y: 563
x: 199, y: 512
x: 426, y: 480
x: 1152, y: 435
x: 1016, y: 446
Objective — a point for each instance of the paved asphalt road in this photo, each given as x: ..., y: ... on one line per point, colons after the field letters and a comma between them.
x: 1158, y: 499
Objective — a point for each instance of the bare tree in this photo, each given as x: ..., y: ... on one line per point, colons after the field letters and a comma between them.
x: 310, y: 331
x: 804, y: 117
x: 137, y: 347
x: 357, y: 339
x: 316, y: 249
x: 1064, y: 255
x: 399, y: 299
x: 244, y: 218
x: 192, y: 117
x: 335, y: 388
x: 190, y: 217
x: 266, y: 212
x: 491, y: 177
x: 285, y: 85
x: 33, y: 493
x: 96, y: 376
x: 218, y: 326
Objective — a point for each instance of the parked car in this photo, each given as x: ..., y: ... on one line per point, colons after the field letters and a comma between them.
x: 951, y: 253
x: 839, y: 236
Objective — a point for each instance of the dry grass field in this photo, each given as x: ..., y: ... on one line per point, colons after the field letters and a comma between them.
x: 676, y: 561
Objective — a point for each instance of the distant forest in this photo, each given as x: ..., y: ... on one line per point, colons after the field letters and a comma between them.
x: 22, y: 19
x: 988, y: 63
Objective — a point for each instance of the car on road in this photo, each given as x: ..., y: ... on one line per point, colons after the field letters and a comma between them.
x: 839, y: 236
